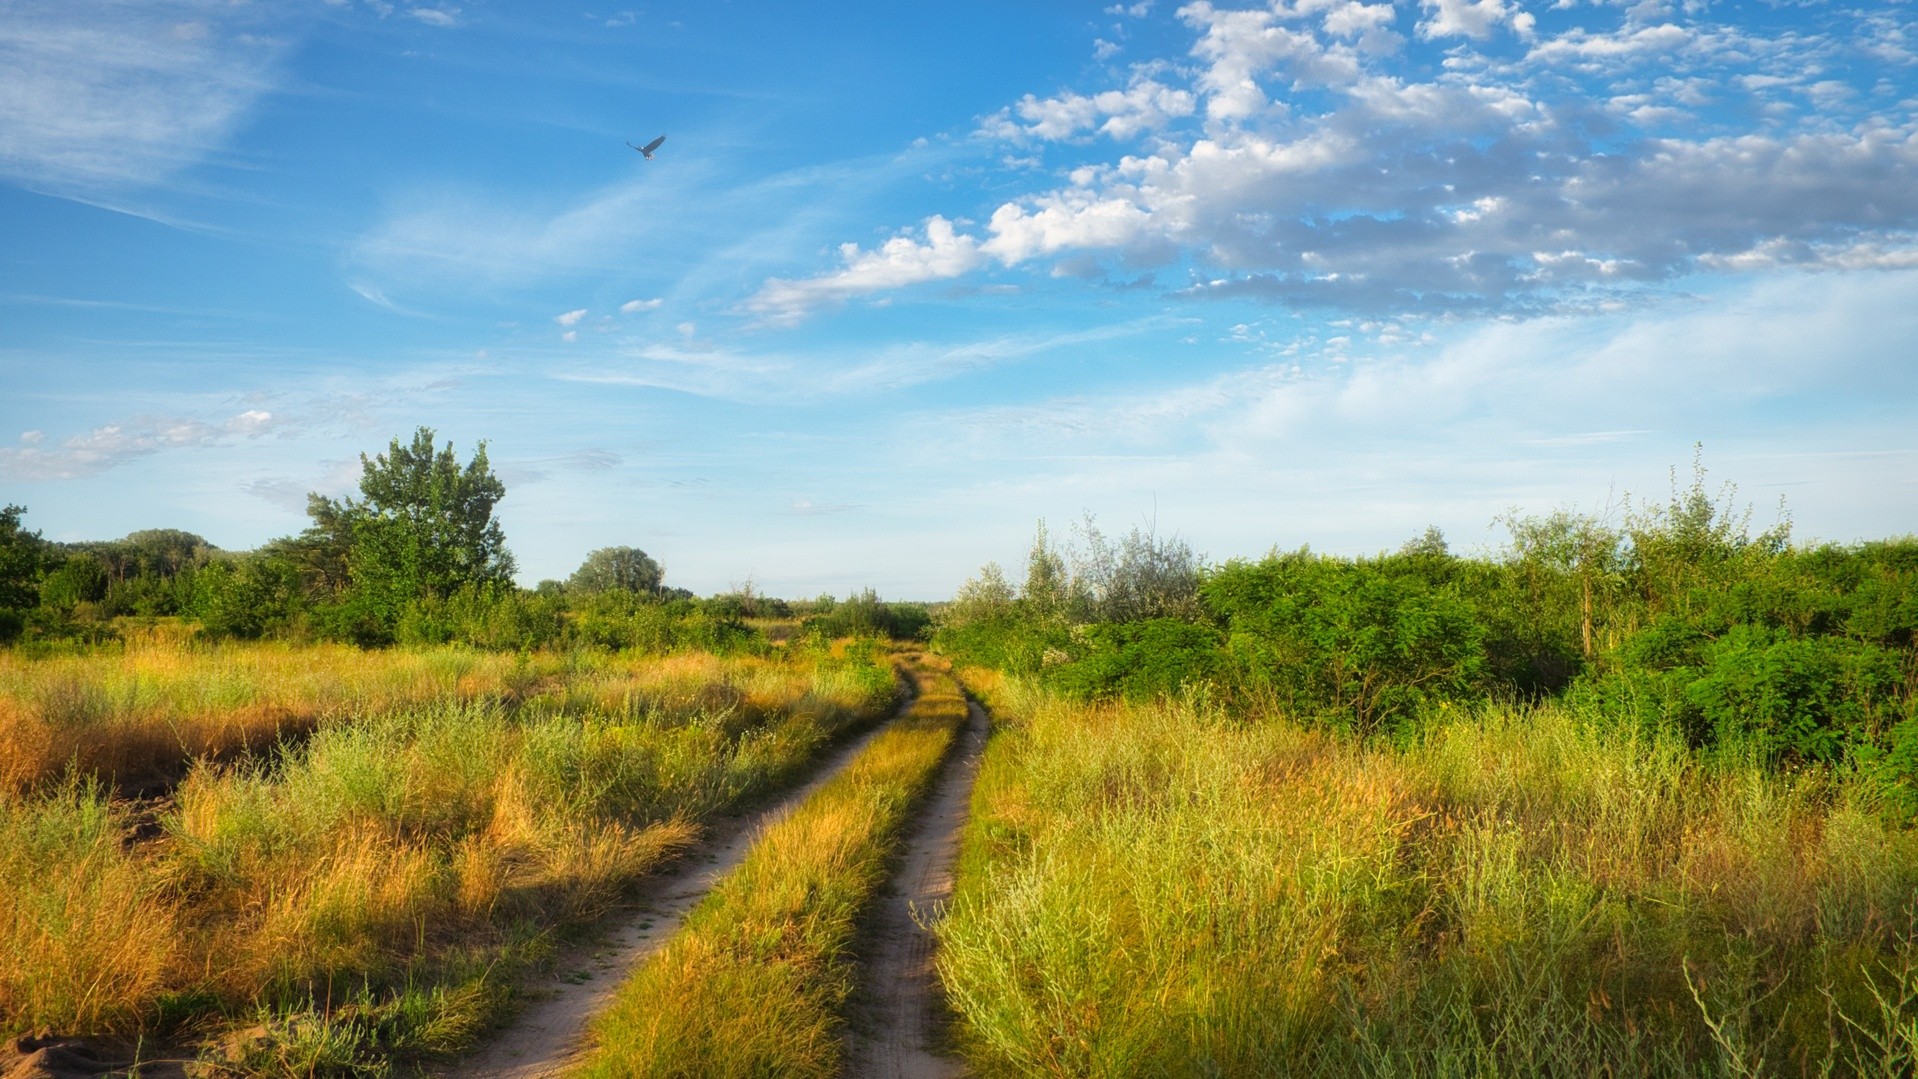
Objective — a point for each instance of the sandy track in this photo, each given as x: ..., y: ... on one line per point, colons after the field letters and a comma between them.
x: 899, y: 1012
x: 550, y: 1035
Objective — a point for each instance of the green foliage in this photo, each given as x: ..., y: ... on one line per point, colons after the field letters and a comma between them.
x: 491, y: 616
x: 424, y: 527
x: 626, y: 569
x: 1140, y: 660
x: 80, y: 579
x: 863, y: 614
x: 246, y: 598
x: 22, y: 556
x: 1793, y: 699
x: 1362, y: 642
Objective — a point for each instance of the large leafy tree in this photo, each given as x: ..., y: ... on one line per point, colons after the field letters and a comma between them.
x: 22, y: 557
x: 423, y: 526
x: 621, y: 569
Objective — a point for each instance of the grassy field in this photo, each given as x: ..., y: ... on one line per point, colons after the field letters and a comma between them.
x: 1170, y: 890
x: 755, y: 982
x: 366, y: 894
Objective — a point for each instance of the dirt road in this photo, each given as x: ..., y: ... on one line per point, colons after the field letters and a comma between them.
x: 899, y: 1012
x: 549, y: 1036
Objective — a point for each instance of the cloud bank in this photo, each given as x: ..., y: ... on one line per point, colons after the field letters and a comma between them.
x: 1453, y: 157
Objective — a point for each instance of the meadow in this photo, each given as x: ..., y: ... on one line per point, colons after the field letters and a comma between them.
x: 1175, y: 888
x: 339, y: 861
x: 1631, y: 796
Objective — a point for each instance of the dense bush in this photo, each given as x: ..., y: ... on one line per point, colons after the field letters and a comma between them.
x: 1140, y: 660
x: 1678, y: 618
x: 1361, y: 642
x: 863, y: 614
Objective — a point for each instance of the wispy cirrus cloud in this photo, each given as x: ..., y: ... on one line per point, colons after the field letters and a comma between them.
x: 111, y: 95
x: 114, y: 444
x: 706, y: 370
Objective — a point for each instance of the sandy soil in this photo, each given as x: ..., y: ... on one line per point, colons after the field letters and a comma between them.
x: 550, y: 1035
x: 899, y: 1012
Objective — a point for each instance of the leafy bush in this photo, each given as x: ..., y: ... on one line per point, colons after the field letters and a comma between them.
x: 1140, y: 660
x: 1793, y: 699
x: 1355, y: 641
x: 863, y: 614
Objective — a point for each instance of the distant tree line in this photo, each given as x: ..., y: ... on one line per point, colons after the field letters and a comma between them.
x: 418, y: 557
x: 1678, y: 613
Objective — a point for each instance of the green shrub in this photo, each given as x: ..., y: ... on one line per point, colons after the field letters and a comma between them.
x: 1809, y: 699
x: 1352, y: 641
x: 1140, y: 660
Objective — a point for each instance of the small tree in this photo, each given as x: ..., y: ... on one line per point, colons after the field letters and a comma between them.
x: 424, y: 527
x: 625, y: 569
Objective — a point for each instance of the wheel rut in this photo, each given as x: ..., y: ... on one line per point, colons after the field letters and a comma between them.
x: 549, y: 1036
x: 899, y: 1016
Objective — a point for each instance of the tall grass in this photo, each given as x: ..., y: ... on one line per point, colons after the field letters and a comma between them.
x: 755, y: 982
x: 374, y: 889
x: 139, y: 715
x: 1169, y: 890
x: 86, y: 930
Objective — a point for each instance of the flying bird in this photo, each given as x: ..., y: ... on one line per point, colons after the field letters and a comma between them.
x: 647, y: 150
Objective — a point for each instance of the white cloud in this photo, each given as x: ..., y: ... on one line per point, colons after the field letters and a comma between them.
x: 1785, y: 381
x: 105, y: 447
x: 634, y: 306
x: 1145, y: 105
x: 896, y: 263
x: 1300, y: 168
x: 436, y: 16
x: 118, y: 94
x: 571, y: 317
x: 1473, y: 18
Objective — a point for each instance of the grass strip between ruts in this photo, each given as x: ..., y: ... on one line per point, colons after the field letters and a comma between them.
x: 755, y: 982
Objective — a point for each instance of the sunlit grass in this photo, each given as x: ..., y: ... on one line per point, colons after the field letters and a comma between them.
x: 139, y: 715
x: 1169, y: 890
x: 755, y: 982
x: 390, y: 875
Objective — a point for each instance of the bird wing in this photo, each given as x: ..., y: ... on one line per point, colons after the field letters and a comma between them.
x: 651, y: 146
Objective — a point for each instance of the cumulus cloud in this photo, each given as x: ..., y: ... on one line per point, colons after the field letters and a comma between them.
x: 1301, y: 155
x: 1145, y: 105
x: 1473, y: 18
x: 570, y: 318
x: 899, y: 261
x: 633, y: 306
x: 105, y: 447
x: 117, y: 94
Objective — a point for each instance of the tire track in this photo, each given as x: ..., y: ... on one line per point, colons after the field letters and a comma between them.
x: 899, y: 1017
x: 549, y: 1036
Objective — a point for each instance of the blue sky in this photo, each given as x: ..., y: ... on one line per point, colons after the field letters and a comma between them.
x: 906, y: 278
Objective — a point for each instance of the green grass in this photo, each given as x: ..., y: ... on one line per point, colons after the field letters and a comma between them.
x: 369, y: 895
x: 755, y: 982
x: 1171, y: 890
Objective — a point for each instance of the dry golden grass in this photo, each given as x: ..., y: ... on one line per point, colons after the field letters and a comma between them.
x: 387, y: 877
x: 137, y: 716
x: 86, y: 932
